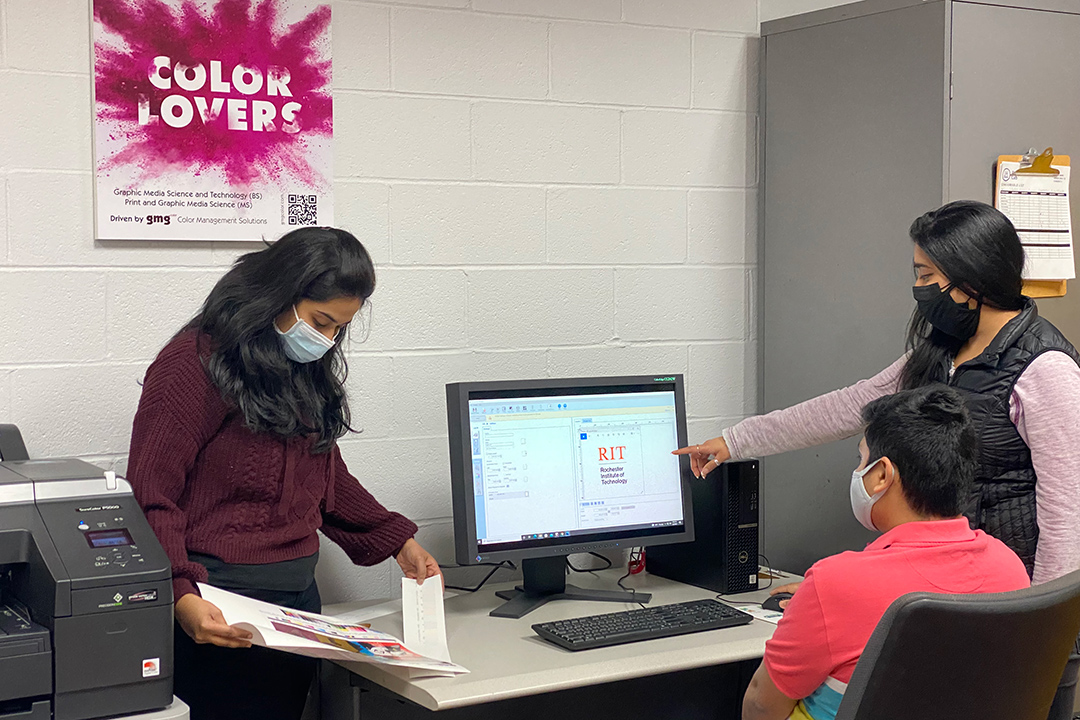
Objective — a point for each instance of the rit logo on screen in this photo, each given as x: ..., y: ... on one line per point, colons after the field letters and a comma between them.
x: 612, y: 453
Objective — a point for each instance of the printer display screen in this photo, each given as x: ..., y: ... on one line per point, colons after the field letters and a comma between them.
x: 109, y: 538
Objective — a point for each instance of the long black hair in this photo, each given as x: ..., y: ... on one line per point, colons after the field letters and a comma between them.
x: 977, y: 248
x: 245, y: 357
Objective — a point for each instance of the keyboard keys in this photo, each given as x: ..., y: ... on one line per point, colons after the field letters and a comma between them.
x: 648, y: 623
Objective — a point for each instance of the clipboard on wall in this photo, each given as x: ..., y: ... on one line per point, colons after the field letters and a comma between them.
x: 1032, y: 190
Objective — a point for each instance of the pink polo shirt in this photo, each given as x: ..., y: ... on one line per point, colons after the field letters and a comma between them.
x: 831, y: 617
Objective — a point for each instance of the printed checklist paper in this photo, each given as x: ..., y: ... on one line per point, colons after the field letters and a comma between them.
x: 1038, y: 206
x: 322, y: 636
x: 423, y: 618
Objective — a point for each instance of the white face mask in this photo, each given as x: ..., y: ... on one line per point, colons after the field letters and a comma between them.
x: 861, y: 502
x: 302, y: 342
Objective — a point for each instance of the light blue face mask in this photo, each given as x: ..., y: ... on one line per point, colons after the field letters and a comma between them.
x: 302, y: 342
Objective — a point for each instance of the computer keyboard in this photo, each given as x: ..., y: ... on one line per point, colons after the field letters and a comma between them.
x: 593, y: 631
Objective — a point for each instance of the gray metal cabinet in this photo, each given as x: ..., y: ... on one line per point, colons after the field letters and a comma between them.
x: 873, y: 113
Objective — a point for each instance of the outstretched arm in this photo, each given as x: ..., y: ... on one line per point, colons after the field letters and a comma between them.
x: 826, y: 418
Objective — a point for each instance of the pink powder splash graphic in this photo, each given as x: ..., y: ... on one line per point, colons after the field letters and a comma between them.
x: 232, y: 33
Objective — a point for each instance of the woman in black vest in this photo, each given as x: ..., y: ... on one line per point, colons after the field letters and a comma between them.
x: 973, y: 329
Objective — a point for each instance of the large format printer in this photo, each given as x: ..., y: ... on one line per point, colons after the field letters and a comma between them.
x: 85, y: 596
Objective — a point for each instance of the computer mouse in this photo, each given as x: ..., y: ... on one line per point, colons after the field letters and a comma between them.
x: 773, y: 603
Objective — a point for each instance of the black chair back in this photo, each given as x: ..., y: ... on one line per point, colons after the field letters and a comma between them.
x: 996, y: 656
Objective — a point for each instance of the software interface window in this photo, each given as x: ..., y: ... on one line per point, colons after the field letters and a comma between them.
x: 576, y: 464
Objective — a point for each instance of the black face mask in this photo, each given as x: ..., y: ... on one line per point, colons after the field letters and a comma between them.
x: 954, y: 319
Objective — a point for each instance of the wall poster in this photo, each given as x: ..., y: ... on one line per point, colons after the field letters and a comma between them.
x: 213, y: 119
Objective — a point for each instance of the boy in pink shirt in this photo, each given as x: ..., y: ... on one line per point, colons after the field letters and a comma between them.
x: 917, y: 461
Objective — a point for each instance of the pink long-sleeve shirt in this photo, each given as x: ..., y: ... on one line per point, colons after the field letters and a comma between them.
x: 1044, y: 407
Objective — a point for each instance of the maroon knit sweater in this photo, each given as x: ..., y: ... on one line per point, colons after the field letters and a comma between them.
x: 210, y: 485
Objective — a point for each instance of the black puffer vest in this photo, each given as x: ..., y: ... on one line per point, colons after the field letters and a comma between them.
x: 1002, y: 502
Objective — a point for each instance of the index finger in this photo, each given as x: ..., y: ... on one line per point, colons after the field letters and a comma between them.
x: 229, y: 642
x: 420, y: 568
x: 688, y: 450
x: 224, y: 630
x: 240, y: 633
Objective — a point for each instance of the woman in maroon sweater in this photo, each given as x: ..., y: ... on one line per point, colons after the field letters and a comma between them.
x: 234, y: 460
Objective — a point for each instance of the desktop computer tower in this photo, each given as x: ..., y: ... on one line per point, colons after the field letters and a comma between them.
x: 724, y: 555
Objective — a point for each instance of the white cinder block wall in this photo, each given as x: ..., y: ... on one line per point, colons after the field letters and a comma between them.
x: 549, y: 188
x: 774, y: 9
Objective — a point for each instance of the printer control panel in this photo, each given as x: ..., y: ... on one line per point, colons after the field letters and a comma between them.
x: 111, y: 541
x: 104, y: 539
x: 107, y: 536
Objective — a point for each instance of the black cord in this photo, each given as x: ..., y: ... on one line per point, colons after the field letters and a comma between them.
x: 478, y: 586
x: 482, y: 564
x: 601, y: 557
x: 494, y: 569
x: 589, y: 570
x: 768, y: 567
x: 635, y: 556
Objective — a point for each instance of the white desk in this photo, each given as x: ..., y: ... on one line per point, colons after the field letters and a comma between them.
x: 178, y: 710
x: 507, y: 660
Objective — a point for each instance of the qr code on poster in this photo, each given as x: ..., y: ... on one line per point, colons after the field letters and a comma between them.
x: 303, y: 210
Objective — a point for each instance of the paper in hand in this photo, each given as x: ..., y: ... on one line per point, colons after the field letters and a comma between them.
x: 322, y: 636
x: 423, y: 617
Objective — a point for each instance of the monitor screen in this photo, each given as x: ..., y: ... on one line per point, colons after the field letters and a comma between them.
x: 558, y: 465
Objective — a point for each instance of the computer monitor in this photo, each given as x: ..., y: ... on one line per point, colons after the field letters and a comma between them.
x: 544, y: 468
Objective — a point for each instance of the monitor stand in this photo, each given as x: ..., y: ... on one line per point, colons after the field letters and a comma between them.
x: 544, y: 581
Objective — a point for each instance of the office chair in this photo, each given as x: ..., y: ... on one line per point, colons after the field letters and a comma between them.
x: 997, y: 656
x: 12, y: 446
